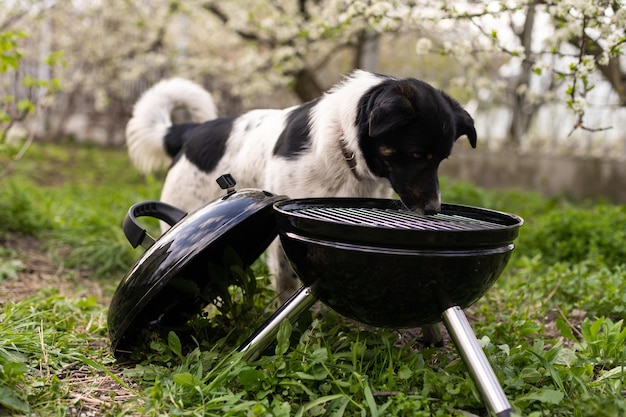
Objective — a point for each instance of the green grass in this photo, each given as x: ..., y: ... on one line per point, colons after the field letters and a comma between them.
x: 552, y: 326
x: 76, y: 198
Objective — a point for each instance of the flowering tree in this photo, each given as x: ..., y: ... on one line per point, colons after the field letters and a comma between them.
x: 533, y: 51
x: 556, y: 46
x: 518, y: 53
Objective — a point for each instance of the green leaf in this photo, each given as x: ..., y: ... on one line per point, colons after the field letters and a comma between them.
x: 369, y: 399
x: 174, y: 343
x: 546, y: 395
x: 12, y: 370
x: 405, y: 372
x: 564, y: 328
x: 554, y: 374
x: 615, y: 373
x: 55, y: 58
x: 566, y: 357
x: 319, y: 355
x: 317, y: 374
x: 11, y: 400
x: 323, y: 400
x: 282, y: 338
x: 251, y: 379
x: 186, y: 379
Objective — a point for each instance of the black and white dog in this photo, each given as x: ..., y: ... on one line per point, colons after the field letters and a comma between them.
x: 367, y: 135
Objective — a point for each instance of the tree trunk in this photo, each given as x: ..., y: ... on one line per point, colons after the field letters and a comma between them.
x: 366, y: 54
x: 306, y: 86
x: 523, y: 111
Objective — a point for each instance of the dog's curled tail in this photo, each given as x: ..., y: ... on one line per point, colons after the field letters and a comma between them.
x: 146, y: 130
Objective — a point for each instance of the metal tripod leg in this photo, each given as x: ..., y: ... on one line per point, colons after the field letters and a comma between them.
x: 301, y: 301
x: 479, y: 368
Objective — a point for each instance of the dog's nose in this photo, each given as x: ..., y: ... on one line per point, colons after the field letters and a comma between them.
x: 432, y: 207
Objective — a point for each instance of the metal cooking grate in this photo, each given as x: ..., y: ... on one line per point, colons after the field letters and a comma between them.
x: 395, y: 219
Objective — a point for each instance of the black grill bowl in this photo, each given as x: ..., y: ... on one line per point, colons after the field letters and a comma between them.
x: 375, y: 262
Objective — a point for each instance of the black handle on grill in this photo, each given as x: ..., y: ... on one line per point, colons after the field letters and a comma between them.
x: 135, y: 233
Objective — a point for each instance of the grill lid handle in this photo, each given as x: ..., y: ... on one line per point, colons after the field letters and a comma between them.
x: 135, y: 233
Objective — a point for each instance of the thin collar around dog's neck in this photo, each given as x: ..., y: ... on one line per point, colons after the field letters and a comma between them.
x: 349, y: 156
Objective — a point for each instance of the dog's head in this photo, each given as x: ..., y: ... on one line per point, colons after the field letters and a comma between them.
x: 406, y: 128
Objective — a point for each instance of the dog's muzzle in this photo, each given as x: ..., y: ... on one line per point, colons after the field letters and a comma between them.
x: 432, y: 207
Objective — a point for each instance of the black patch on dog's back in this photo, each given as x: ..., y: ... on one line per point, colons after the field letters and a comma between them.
x: 207, y: 143
x: 177, y: 136
x: 296, y: 136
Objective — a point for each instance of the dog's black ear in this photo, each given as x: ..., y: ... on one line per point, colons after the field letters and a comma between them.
x: 465, y: 126
x: 388, y: 114
x: 463, y: 120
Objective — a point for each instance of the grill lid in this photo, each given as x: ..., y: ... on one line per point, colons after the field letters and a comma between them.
x: 387, y: 223
x: 175, y: 278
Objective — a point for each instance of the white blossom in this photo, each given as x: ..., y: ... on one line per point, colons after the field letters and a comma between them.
x: 578, y: 105
x: 423, y: 46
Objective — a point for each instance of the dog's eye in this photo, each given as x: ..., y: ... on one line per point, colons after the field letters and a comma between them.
x: 419, y: 156
x: 385, y: 151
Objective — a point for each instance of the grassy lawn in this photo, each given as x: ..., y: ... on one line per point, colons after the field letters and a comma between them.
x: 552, y: 326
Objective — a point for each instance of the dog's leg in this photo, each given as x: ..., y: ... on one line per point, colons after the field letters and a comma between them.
x: 286, y: 281
x: 431, y: 336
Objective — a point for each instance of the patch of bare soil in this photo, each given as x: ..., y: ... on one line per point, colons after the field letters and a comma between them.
x: 574, y: 321
x: 95, y: 395
x: 41, y: 271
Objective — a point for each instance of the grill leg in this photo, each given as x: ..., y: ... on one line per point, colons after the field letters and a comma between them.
x: 479, y: 368
x: 254, y: 345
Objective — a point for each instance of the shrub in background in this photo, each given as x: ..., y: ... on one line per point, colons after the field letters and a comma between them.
x: 575, y: 235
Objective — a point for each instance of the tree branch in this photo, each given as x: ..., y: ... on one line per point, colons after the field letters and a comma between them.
x: 223, y: 17
x: 612, y: 71
x: 10, y: 20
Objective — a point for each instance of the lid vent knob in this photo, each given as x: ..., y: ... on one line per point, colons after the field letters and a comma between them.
x: 227, y: 182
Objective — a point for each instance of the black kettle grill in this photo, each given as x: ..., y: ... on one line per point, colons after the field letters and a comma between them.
x: 369, y: 259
